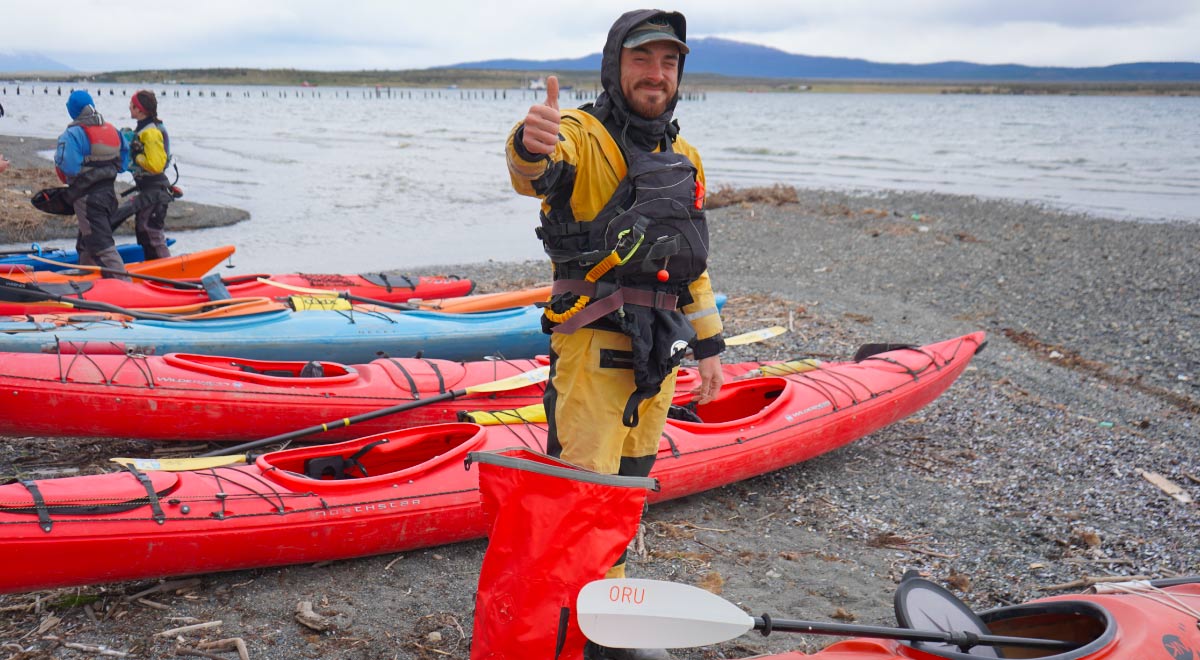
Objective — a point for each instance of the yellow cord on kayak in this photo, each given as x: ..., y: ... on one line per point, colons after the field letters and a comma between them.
x: 532, y: 414
x: 599, y: 270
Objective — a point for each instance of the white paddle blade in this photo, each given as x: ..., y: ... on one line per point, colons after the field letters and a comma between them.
x: 636, y: 614
x: 755, y: 336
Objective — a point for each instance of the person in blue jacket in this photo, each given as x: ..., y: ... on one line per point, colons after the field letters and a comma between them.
x: 90, y: 155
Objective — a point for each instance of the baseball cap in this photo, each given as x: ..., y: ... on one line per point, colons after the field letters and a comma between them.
x: 655, y: 29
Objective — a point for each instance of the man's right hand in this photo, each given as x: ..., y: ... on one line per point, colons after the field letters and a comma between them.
x: 541, y: 124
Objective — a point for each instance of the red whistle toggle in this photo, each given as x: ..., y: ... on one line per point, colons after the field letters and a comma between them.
x: 699, y: 195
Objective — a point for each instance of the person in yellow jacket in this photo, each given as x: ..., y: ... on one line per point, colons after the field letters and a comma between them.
x: 150, y: 148
x: 623, y: 223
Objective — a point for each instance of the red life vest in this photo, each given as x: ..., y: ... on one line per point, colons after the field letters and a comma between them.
x: 105, y: 141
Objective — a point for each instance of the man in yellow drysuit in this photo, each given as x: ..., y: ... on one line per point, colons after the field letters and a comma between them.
x: 623, y: 223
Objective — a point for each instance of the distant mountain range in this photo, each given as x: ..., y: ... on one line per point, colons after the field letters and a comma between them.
x: 23, y: 62
x: 734, y: 58
x: 713, y: 55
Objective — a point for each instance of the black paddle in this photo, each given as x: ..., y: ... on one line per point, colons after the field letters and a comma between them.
x: 14, y: 291
x: 629, y: 613
x: 510, y: 383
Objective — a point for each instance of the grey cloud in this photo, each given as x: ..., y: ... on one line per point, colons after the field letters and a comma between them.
x: 1071, y: 13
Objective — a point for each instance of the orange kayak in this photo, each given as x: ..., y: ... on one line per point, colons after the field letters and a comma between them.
x: 194, y: 264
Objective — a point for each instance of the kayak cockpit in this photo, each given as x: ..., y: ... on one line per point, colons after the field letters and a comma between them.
x: 367, y: 462
x: 1082, y: 622
x: 738, y: 403
x: 263, y: 371
x: 923, y: 605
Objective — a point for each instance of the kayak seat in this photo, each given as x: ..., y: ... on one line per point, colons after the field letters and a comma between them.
x: 924, y: 605
x: 326, y: 468
x: 312, y: 369
x: 684, y: 413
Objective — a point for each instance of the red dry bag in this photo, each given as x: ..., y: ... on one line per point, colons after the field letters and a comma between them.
x: 554, y: 528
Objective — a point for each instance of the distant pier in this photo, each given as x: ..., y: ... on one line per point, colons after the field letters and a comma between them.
x: 300, y: 92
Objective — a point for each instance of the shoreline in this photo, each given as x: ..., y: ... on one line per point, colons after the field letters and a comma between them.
x: 698, y: 83
x: 1023, y: 477
x: 30, y: 172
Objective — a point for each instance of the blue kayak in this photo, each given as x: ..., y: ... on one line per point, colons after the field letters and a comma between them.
x: 130, y: 253
x: 349, y: 337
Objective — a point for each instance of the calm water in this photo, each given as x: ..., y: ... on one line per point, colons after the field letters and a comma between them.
x: 351, y: 183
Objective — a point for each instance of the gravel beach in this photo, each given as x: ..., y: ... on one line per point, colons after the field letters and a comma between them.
x: 1025, y: 479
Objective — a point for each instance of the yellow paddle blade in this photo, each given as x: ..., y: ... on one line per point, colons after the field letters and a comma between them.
x: 307, y: 303
x: 790, y: 367
x: 298, y: 289
x: 535, y: 413
x: 180, y: 464
x: 782, y: 368
x: 539, y: 375
x: 755, y: 336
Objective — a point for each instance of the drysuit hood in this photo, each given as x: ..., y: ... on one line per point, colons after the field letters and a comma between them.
x: 643, y: 132
x: 77, y: 101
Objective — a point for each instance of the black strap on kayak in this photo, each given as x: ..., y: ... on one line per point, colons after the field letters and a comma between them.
x: 383, y: 280
x: 412, y: 384
x: 437, y: 372
x: 867, y: 350
x: 671, y: 443
x: 151, y: 496
x: 39, y: 502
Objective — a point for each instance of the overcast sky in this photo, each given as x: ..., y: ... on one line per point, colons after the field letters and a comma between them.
x: 89, y: 35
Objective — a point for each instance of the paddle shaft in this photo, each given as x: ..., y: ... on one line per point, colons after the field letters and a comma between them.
x: 402, y: 307
x: 31, y: 251
x: 340, y: 423
x: 27, y: 292
x: 962, y: 639
x: 180, y: 284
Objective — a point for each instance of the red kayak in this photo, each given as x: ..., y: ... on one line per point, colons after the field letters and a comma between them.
x: 144, y: 294
x: 407, y: 489
x: 1133, y: 620
x: 182, y: 396
x: 1126, y: 621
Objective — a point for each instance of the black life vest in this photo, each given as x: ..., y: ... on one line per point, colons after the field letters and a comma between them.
x: 655, y: 221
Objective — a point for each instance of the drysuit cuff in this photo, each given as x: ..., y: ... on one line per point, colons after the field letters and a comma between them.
x: 518, y: 142
x: 708, y: 347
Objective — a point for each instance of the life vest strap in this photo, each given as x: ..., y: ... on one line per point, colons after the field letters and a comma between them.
x: 609, y: 303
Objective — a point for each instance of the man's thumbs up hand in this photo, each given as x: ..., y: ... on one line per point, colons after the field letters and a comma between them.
x: 541, y: 124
